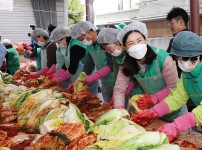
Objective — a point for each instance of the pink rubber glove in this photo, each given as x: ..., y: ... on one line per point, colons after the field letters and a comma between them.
x: 26, y: 46
x: 61, y: 76
x: 130, y: 88
x: 157, y: 111
x: 180, y: 124
x: 51, y: 70
x: 38, y: 74
x: 148, y: 100
x: 103, y: 72
x: 119, y: 107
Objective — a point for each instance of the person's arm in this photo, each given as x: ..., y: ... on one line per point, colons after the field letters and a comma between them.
x: 76, y: 54
x: 89, y: 65
x: 169, y: 72
x: 51, y: 54
x: 103, y: 72
x: 120, y: 87
x: 197, y: 113
x: 178, y: 97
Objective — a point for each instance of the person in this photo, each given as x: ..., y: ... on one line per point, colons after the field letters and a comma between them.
x: 48, y: 52
x: 147, y: 66
x: 86, y: 32
x: 12, y: 57
x: 2, y: 53
x: 107, y: 38
x: 120, y: 26
x: 177, y: 21
x: 70, y: 52
x: 187, y: 49
x: 50, y: 28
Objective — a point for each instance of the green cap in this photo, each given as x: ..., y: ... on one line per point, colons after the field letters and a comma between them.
x: 120, y: 25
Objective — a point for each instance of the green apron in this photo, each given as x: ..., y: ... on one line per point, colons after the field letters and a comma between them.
x: 100, y: 59
x: 38, y: 59
x: 193, y: 84
x: 12, y: 61
x: 63, y: 57
x: 152, y: 81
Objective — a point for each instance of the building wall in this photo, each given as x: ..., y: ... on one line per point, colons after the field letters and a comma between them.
x: 14, y: 25
x: 60, y: 12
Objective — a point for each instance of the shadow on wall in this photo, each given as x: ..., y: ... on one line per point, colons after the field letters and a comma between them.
x: 160, y: 42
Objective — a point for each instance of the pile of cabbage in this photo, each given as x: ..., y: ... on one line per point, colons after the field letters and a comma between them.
x: 117, y: 133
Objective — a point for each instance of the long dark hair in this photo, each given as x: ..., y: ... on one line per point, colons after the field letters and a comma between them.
x: 130, y: 65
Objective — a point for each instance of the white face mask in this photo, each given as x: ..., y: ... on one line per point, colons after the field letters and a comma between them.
x: 40, y: 43
x: 86, y: 42
x: 116, y: 53
x: 187, y: 66
x: 138, y: 51
x: 62, y: 46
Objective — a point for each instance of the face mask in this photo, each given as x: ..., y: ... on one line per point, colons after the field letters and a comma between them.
x: 138, y: 51
x: 62, y: 46
x: 187, y: 66
x: 116, y: 53
x: 42, y: 44
x: 86, y: 42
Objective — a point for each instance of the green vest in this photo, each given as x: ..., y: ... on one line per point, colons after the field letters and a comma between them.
x: 100, y: 59
x: 12, y: 61
x: 193, y: 84
x: 38, y: 59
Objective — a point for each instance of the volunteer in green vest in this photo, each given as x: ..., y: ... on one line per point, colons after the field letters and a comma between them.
x: 48, y: 52
x: 153, y: 71
x: 187, y: 49
x: 86, y: 32
x: 107, y: 38
x: 12, y: 57
x: 69, y: 55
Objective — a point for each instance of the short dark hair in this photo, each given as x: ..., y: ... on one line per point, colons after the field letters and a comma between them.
x: 178, y: 12
x: 51, y: 27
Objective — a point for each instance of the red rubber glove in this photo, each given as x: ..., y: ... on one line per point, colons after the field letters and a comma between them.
x: 144, y: 102
x: 145, y: 116
x: 111, y: 103
x: 180, y: 124
x: 148, y: 100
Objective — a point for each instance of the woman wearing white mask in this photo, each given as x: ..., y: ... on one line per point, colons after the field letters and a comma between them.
x: 187, y: 49
x: 69, y: 54
x: 153, y: 70
x: 48, y: 51
x: 107, y: 38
